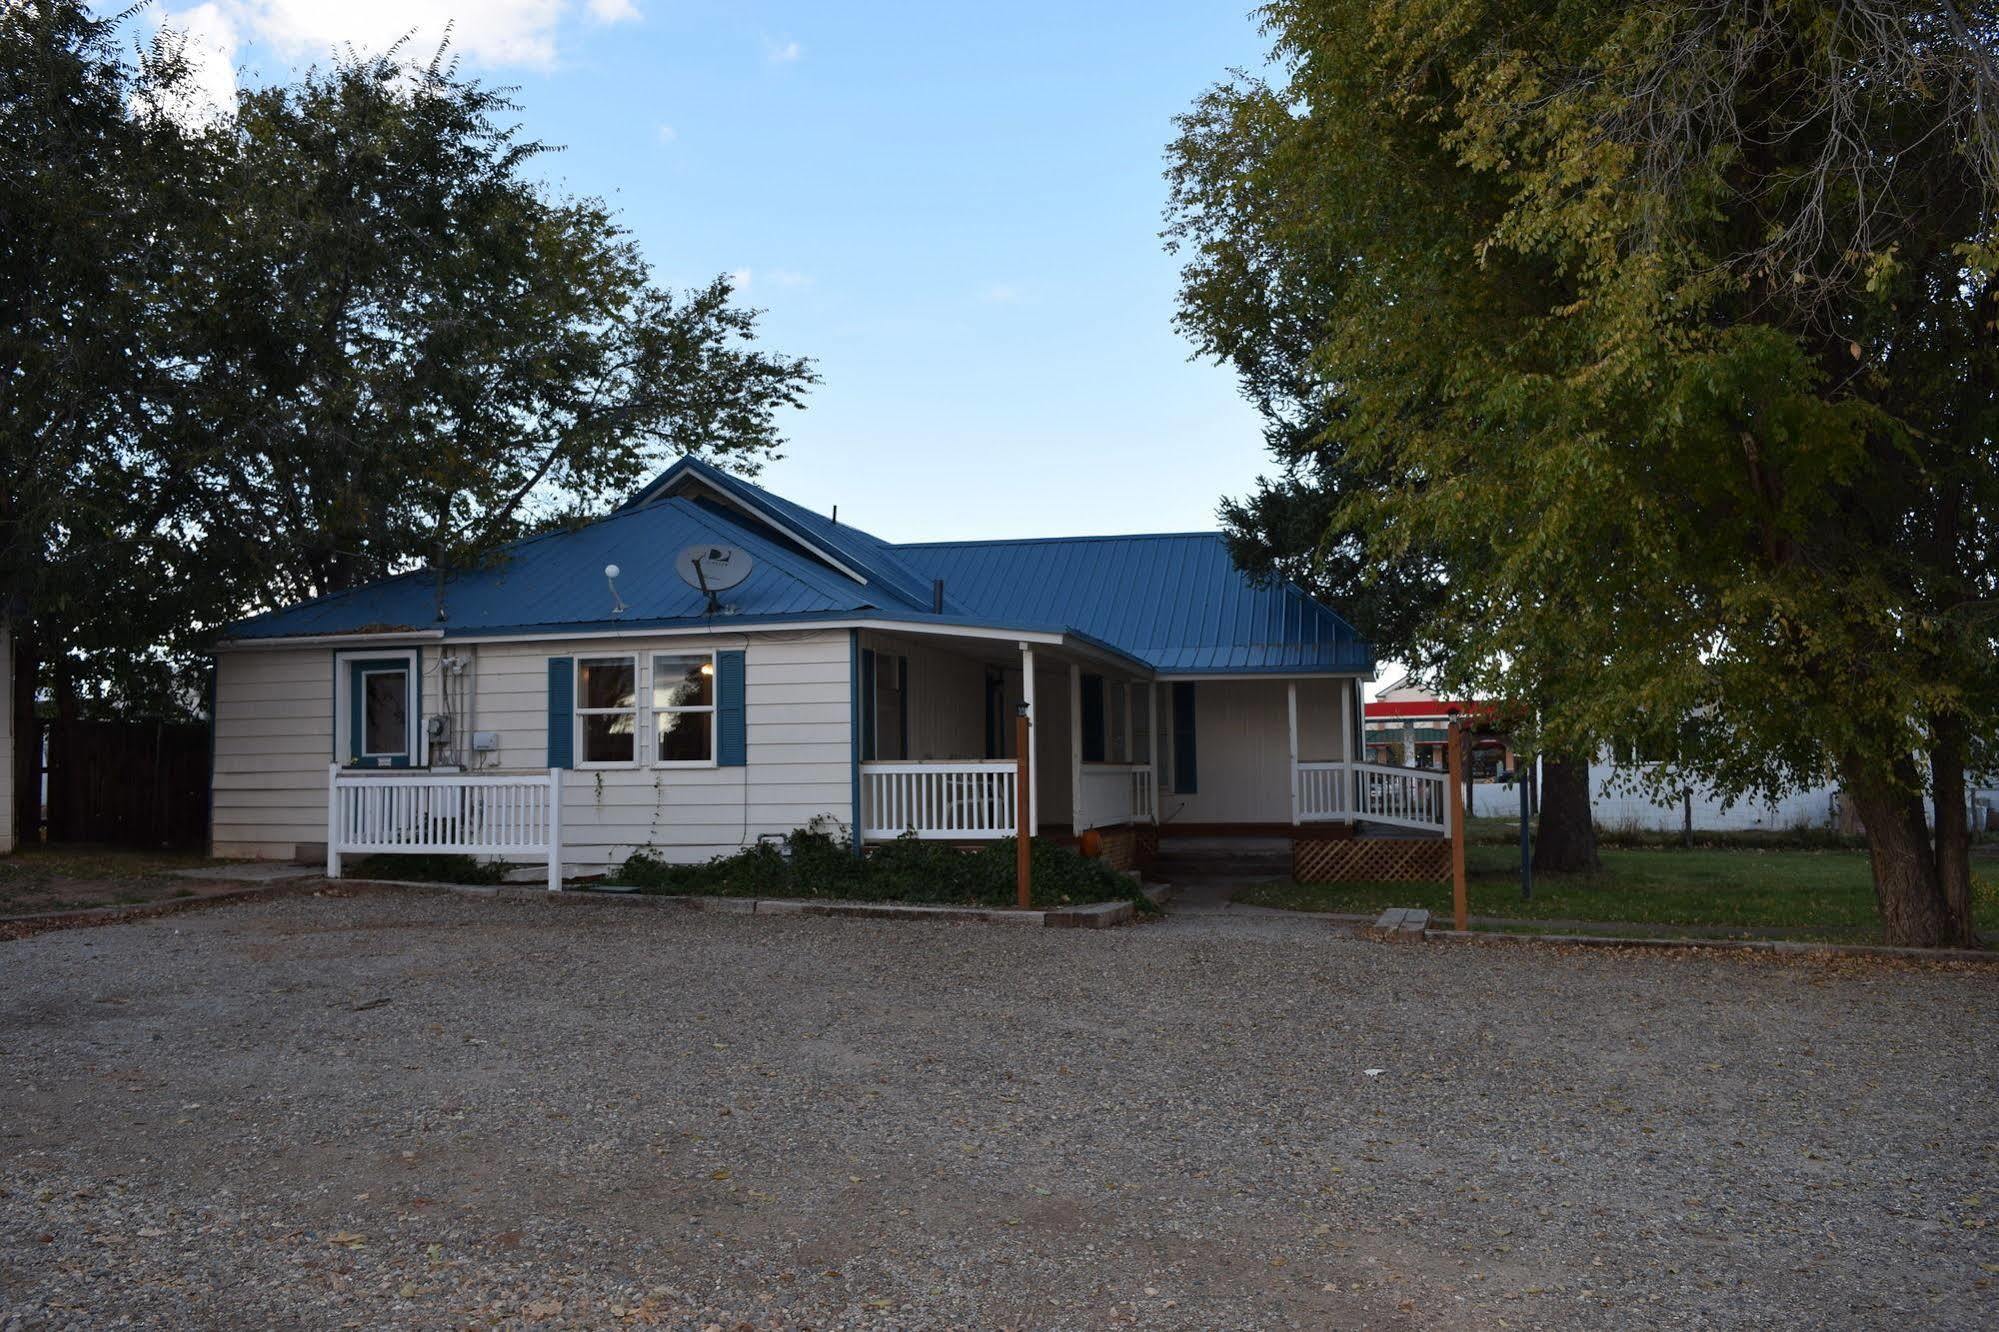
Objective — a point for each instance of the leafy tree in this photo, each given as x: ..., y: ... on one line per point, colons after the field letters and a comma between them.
x: 335, y: 334
x: 95, y: 177
x: 1262, y: 290
x: 416, y: 353
x: 1668, y: 330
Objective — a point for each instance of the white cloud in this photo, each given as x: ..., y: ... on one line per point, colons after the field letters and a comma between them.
x: 1002, y: 293
x: 740, y: 279
x: 212, y: 41
x: 491, y: 33
x: 787, y: 277
x: 667, y: 134
x: 783, y: 53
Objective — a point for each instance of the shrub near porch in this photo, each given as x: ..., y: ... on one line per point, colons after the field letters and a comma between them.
x: 813, y: 864
x: 1820, y: 893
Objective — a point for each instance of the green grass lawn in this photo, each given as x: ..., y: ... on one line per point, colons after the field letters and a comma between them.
x: 1819, y: 894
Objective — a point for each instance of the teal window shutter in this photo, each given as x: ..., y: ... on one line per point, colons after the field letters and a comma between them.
x: 1183, y: 738
x: 1093, y: 718
x: 732, y: 749
x: 562, y: 712
x: 868, y: 702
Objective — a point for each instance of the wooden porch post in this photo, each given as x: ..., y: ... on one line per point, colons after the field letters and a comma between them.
x: 1460, y: 905
x: 1291, y: 708
x: 1023, y: 834
x: 1033, y: 769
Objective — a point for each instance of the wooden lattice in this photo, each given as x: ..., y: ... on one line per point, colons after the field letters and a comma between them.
x: 1368, y: 859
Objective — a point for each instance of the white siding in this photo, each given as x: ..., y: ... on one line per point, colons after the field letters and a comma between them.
x: 947, y: 698
x: 6, y: 740
x: 1242, y: 747
x: 274, y: 739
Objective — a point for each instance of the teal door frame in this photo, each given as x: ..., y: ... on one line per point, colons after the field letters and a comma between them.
x: 358, y: 670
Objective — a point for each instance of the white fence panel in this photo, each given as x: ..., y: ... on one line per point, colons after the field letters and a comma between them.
x: 1322, y: 791
x: 972, y: 800
x: 1374, y: 793
x: 372, y: 813
x: 1112, y: 794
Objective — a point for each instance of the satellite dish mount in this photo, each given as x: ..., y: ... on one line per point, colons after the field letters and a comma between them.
x: 711, y: 570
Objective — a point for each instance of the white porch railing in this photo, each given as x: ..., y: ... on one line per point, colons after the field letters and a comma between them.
x: 1114, y: 793
x: 1374, y: 793
x: 954, y: 800
x: 375, y: 813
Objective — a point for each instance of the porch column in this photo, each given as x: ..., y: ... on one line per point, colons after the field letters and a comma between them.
x: 1291, y: 711
x: 1075, y: 749
x: 1033, y: 729
x: 1353, y: 741
x: 1152, y: 741
x: 1130, y: 741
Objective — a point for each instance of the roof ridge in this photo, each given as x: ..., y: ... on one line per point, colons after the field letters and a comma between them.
x: 1087, y: 536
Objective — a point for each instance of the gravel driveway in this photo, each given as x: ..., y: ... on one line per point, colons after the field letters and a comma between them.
x: 422, y: 1110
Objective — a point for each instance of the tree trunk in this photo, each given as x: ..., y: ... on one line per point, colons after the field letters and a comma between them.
x: 1953, y: 836
x: 1566, y: 840
x: 1906, y: 888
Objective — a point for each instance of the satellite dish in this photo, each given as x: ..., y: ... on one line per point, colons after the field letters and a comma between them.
x: 712, y: 569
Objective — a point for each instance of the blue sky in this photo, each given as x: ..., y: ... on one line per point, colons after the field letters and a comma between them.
x: 953, y: 209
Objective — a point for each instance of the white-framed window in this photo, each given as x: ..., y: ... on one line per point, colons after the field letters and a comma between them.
x: 683, y: 709
x: 607, y: 711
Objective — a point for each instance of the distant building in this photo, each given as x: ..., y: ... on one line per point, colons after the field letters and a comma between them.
x: 1406, y: 725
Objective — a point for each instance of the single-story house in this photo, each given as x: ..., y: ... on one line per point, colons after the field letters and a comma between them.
x: 586, y: 680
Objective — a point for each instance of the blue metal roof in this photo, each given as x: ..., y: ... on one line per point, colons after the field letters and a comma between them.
x: 877, y: 560
x: 1174, y: 602
x: 558, y: 580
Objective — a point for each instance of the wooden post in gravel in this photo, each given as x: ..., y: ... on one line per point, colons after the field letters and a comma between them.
x: 1454, y: 748
x: 1023, y: 849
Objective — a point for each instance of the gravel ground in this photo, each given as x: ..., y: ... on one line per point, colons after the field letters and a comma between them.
x: 421, y: 1110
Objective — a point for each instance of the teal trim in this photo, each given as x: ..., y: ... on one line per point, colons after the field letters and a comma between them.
x: 562, y: 712
x: 731, y: 738
x: 870, y: 666
x: 1185, y: 774
x: 854, y: 732
x: 357, y: 671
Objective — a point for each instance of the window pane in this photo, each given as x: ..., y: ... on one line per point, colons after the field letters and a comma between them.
x: 605, y: 683
x: 385, y: 712
x: 685, y: 737
x: 607, y: 739
x: 682, y: 682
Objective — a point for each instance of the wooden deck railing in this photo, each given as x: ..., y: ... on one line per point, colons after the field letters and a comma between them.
x: 1373, y: 793
x: 374, y: 813
x: 953, y: 800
